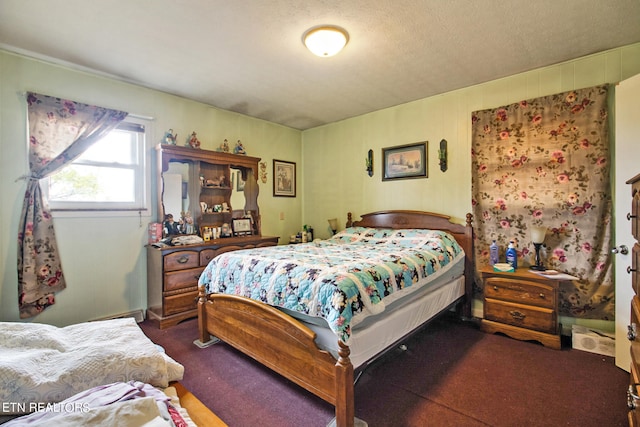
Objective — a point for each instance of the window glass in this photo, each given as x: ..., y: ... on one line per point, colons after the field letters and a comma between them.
x: 109, y: 175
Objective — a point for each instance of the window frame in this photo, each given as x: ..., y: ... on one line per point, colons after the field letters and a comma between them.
x: 142, y: 202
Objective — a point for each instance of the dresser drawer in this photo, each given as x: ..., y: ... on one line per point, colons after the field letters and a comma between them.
x: 181, y: 260
x: 520, y: 291
x: 180, y: 302
x: 206, y: 256
x: 182, y: 278
x: 525, y: 316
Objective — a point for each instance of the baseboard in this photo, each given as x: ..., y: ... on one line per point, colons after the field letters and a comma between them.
x: 136, y: 314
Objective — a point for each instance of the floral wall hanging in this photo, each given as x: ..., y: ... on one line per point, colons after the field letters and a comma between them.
x: 545, y: 162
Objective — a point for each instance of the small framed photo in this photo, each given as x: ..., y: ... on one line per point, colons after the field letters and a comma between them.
x: 404, y: 161
x: 284, y: 178
x: 241, y: 226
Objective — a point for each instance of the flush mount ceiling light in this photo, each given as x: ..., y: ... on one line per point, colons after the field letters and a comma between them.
x: 326, y: 40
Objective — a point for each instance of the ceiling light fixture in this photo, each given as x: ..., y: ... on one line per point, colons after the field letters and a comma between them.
x: 325, y: 40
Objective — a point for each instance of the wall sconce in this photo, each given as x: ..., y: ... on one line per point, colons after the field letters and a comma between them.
x: 369, y: 162
x: 537, y: 237
x: 442, y: 155
x: 333, y: 223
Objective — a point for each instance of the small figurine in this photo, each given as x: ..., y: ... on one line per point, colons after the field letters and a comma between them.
x: 193, y: 141
x: 170, y: 137
x: 224, y: 147
x: 170, y: 226
x: 187, y: 223
x: 239, y: 149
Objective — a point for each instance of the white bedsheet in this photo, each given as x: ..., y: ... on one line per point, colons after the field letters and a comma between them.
x: 42, y: 364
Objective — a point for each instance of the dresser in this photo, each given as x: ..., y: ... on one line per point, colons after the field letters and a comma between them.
x: 215, y: 190
x: 633, y: 394
x: 173, y: 273
x: 522, y: 305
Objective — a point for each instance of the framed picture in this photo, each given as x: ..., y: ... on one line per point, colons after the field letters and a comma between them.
x: 284, y: 178
x: 404, y: 161
x: 240, y: 181
x: 241, y: 226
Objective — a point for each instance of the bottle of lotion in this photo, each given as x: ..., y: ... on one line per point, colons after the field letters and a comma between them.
x: 493, y: 253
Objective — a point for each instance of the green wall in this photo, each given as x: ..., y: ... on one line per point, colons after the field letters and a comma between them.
x: 103, y: 257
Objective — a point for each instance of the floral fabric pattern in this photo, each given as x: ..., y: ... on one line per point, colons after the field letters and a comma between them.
x: 546, y: 162
x: 59, y: 131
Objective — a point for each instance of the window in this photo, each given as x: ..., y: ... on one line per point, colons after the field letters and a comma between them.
x: 109, y: 176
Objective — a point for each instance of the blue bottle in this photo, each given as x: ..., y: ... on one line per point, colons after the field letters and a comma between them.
x: 494, y: 251
x: 512, y: 255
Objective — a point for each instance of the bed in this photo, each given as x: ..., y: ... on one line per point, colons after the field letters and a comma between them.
x: 92, y: 374
x: 321, y: 319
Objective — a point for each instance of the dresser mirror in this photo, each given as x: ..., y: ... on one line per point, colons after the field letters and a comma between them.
x: 199, y: 188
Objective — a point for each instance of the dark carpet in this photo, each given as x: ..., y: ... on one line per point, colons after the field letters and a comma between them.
x: 451, y: 374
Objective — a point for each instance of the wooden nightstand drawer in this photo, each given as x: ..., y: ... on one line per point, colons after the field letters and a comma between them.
x: 520, y: 291
x: 181, y: 260
x: 525, y: 316
x: 182, y: 279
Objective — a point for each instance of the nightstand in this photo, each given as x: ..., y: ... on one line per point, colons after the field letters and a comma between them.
x: 522, y: 305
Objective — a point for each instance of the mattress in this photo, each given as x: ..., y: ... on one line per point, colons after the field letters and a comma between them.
x: 377, y: 333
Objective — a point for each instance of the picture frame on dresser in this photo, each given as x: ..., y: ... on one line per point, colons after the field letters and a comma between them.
x: 241, y: 226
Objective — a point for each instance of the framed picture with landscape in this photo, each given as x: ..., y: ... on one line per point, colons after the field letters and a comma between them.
x: 284, y: 178
x: 404, y: 161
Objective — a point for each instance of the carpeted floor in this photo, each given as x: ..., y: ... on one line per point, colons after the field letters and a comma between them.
x: 451, y: 374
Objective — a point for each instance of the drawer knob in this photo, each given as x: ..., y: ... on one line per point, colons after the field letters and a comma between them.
x: 629, y: 270
x: 632, y: 332
x: 517, y: 315
x: 495, y: 288
x: 183, y: 259
x: 632, y: 396
x: 542, y: 295
x: 629, y: 216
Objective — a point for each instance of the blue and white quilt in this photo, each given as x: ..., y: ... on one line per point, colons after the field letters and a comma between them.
x: 344, y: 279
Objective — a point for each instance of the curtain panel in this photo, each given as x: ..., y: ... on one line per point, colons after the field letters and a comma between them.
x: 546, y: 162
x: 59, y: 131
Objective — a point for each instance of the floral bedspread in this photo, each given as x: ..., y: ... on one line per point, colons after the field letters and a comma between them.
x: 343, y: 279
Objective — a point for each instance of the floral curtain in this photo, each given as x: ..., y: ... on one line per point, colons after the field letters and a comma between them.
x: 545, y: 162
x: 59, y: 131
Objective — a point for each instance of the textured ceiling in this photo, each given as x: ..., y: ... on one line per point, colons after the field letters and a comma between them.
x: 247, y: 55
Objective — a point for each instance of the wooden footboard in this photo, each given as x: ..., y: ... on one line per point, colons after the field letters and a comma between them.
x: 281, y: 343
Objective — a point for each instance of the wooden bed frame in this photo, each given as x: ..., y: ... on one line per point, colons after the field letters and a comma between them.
x: 285, y: 345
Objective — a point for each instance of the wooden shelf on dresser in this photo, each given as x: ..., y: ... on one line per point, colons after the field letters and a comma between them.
x: 522, y: 305
x: 173, y: 272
